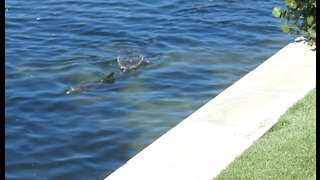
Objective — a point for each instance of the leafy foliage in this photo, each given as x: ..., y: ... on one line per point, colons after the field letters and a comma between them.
x: 303, y: 16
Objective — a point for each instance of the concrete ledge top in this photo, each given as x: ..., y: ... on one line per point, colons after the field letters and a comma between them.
x: 208, y: 140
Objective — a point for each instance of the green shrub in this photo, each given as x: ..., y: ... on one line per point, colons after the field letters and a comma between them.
x: 303, y: 16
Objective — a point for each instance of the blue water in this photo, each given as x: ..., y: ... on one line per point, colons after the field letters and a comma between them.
x: 193, y: 51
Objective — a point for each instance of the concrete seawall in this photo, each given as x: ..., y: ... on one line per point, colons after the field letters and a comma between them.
x: 208, y: 140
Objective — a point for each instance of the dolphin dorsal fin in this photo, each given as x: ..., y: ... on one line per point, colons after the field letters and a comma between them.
x: 109, y: 78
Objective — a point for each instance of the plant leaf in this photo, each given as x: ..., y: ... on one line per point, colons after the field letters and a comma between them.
x: 304, y: 33
x: 285, y: 27
x: 312, y: 33
x: 276, y: 11
x: 291, y: 4
x: 310, y: 20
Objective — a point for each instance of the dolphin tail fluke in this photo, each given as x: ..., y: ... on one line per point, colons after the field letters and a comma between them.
x: 129, y: 64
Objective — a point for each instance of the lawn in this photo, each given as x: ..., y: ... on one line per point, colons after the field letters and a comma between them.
x: 286, y: 151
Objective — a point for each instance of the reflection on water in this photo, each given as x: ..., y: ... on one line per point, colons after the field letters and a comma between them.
x: 193, y: 50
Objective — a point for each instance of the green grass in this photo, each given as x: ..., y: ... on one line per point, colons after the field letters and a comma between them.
x: 287, y: 151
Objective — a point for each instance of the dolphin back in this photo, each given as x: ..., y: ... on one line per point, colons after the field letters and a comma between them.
x: 83, y: 88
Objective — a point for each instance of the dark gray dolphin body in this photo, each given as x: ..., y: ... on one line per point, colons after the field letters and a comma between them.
x: 90, y: 87
x: 87, y: 87
x: 124, y: 64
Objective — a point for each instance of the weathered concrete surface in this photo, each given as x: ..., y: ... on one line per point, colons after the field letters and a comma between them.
x: 203, y: 144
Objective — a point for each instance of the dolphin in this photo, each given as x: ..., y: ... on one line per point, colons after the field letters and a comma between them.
x: 89, y: 87
x: 129, y: 64
x: 124, y: 64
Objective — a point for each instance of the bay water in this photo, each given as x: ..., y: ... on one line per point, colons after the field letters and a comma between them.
x: 193, y: 50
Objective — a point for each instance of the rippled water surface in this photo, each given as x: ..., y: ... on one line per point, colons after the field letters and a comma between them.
x: 193, y: 51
